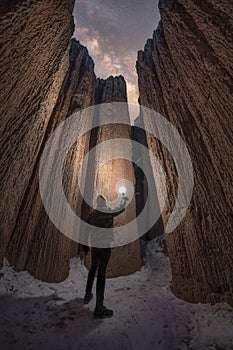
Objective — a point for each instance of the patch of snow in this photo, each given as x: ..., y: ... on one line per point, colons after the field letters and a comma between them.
x: 147, y: 315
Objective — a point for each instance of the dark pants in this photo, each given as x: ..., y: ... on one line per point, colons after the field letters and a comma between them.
x: 99, y: 258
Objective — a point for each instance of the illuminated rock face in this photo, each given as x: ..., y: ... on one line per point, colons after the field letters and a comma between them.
x: 44, y: 79
x: 185, y: 73
x: 36, y: 244
x: 127, y: 259
x: 42, y: 84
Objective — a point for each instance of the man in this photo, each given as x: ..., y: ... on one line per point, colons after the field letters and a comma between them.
x: 100, y: 256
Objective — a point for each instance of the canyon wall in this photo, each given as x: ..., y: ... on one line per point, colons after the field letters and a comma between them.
x: 36, y: 244
x: 185, y: 73
x: 44, y: 78
x: 125, y: 259
x: 143, y: 168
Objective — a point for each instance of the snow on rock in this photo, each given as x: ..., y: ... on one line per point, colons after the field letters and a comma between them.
x: 147, y: 315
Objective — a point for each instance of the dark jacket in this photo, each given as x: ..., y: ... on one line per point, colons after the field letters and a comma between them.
x: 103, y: 219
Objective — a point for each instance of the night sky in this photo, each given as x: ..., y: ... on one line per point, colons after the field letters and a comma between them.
x: 113, y: 31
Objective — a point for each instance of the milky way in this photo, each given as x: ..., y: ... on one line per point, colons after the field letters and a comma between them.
x: 113, y: 31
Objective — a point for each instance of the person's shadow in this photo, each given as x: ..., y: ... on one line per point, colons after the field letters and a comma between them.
x: 44, y: 322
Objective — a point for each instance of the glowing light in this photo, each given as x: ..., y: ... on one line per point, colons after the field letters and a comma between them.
x: 122, y: 190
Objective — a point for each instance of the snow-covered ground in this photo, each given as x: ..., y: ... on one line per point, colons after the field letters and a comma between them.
x: 38, y: 315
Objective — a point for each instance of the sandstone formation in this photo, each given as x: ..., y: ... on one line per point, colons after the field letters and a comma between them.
x: 185, y: 73
x: 142, y: 162
x: 125, y: 259
x: 36, y: 244
x: 43, y: 80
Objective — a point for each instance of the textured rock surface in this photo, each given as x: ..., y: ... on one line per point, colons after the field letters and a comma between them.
x: 185, y: 73
x: 36, y: 244
x: 142, y: 162
x: 126, y: 259
x: 43, y: 81
x: 40, y: 87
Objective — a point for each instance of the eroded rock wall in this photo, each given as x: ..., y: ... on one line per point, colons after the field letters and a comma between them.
x: 35, y: 40
x: 125, y: 259
x: 36, y: 244
x: 185, y: 73
x: 143, y: 167
x: 44, y: 78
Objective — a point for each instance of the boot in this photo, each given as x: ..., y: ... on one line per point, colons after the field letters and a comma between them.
x: 102, y: 312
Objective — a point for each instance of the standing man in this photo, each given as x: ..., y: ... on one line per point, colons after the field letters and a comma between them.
x: 100, y: 256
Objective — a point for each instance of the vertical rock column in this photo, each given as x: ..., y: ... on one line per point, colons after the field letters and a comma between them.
x: 33, y: 242
x: 36, y: 244
x: 35, y: 40
x: 143, y: 167
x: 126, y: 259
x: 185, y: 73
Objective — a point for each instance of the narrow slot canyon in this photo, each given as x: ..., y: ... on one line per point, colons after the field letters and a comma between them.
x: 173, y: 288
